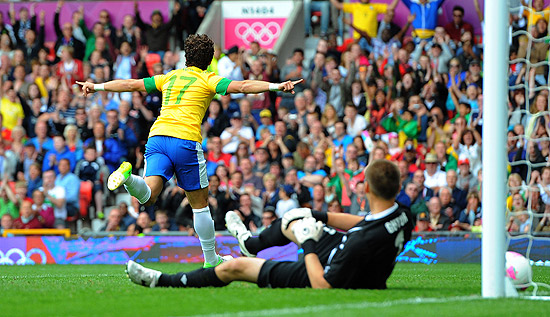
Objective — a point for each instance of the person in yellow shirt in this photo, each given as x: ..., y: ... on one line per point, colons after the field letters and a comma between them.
x: 365, y: 14
x: 11, y: 110
x: 174, y: 144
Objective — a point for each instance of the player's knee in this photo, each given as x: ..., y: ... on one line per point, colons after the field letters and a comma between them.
x: 233, y: 268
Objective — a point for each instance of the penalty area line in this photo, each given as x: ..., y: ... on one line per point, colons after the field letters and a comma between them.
x: 361, y: 305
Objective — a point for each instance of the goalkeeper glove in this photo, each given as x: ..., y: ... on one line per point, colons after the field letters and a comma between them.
x: 299, y: 213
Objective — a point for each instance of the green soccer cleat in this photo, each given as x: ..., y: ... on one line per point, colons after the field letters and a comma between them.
x: 120, y: 176
x: 221, y: 259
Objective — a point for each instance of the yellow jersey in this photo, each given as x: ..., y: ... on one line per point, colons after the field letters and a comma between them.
x: 186, y: 94
x: 365, y: 16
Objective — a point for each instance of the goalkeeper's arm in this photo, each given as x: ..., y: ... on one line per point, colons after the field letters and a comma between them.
x: 258, y: 86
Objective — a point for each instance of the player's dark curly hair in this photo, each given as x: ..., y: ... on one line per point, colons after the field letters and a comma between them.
x: 199, y: 50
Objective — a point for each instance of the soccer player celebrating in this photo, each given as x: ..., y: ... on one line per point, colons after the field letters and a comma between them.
x: 174, y: 144
x: 363, y: 257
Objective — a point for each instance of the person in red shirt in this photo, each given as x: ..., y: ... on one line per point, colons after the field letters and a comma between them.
x: 458, y: 26
x: 215, y: 153
x: 43, y: 211
x: 27, y: 218
x: 422, y: 223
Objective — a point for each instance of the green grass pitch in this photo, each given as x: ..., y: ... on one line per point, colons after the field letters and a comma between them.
x: 104, y: 290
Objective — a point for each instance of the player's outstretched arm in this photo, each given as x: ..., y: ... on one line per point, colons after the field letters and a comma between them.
x: 258, y: 86
x: 119, y: 85
x: 342, y: 221
x: 307, y: 232
x: 336, y: 220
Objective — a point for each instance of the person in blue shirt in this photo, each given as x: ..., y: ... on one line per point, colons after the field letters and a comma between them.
x: 340, y: 138
x: 266, y: 123
x: 60, y: 151
x: 426, y: 18
x: 42, y: 142
x: 71, y: 183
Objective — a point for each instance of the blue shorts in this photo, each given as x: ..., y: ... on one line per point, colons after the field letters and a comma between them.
x: 166, y: 156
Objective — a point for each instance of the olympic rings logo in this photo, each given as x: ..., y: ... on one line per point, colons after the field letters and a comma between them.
x: 257, y: 31
x: 24, y: 258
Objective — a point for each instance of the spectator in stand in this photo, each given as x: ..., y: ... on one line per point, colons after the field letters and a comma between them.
x: 435, y: 178
x: 8, y: 201
x: 72, y: 139
x: 261, y: 164
x: 32, y: 44
x: 27, y: 218
x: 27, y: 21
x: 55, y: 195
x: 270, y: 193
x: 438, y: 220
x: 10, y: 108
x: 120, y: 131
x: 355, y: 122
x: 216, y: 119
x: 245, y: 166
x: 471, y: 213
x: 459, y: 196
x: 316, y: 5
x: 142, y: 225
x: 457, y: 27
x: 43, y: 211
x: 69, y: 69
x: 268, y: 216
x: 286, y: 202
x: 157, y: 33
x: 249, y: 214
x: 6, y: 222
x: 365, y: 13
x: 110, y: 149
x: 60, y: 151
x: 218, y: 202
x: 236, y: 133
x: 34, y: 179
x: 89, y: 169
x: 422, y: 223
x: 426, y: 18
x: 408, y: 195
x: 215, y: 154
x: 126, y: 63
x: 113, y: 221
x: 448, y: 205
x: 163, y: 222
x: 6, y: 28
x: 439, y: 54
x: 231, y: 65
x: 71, y: 183
x: 66, y: 35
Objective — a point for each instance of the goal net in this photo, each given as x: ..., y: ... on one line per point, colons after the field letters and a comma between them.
x: 527, y: 218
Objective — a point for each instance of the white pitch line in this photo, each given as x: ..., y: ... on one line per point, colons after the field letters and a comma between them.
x: 56, y: 276
x: 324, y: 308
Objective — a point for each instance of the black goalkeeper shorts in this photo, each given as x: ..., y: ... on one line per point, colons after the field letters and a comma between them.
x: 275, y: 274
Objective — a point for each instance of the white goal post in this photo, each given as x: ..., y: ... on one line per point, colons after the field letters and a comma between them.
x: 495, y: 92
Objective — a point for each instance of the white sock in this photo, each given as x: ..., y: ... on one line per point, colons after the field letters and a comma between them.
x: 204, y: 227
x: 137, y: 187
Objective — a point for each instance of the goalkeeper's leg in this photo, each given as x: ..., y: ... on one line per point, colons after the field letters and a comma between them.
x: 272, y: 236
x: 241, y: 269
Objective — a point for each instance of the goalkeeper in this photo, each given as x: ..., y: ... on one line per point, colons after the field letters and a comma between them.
x: 174, y: 145
x: 363, y: 257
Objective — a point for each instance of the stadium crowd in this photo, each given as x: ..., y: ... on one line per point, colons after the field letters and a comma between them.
x: 409, y: 93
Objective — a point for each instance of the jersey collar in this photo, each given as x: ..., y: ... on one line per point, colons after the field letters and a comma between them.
x: 380, y: 215
x: 195, y: 69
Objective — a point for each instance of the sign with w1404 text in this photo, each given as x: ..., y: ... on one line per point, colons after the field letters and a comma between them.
x: 249, y: 21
